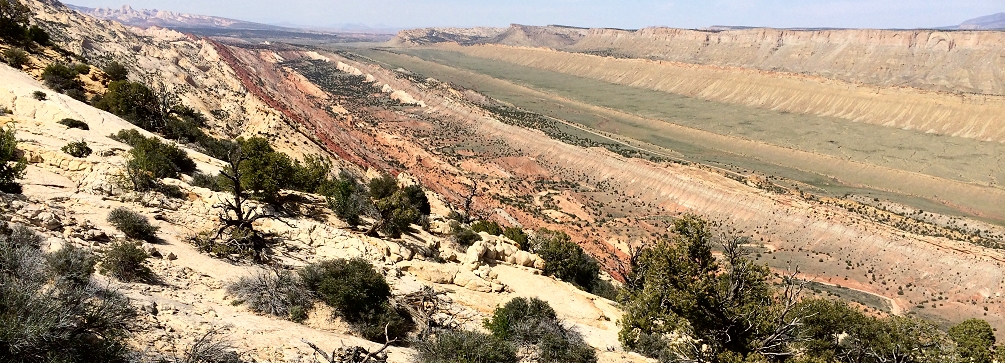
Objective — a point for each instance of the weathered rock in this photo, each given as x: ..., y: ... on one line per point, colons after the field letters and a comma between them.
x: 432, y: 272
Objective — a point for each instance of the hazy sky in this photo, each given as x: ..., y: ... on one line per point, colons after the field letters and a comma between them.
x: 586, y: 13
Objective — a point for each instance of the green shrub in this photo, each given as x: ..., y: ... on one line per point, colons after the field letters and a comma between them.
x: 126, y: 261
x: 522, y: 320
x: 565, y: 259
x: 532, y: 322
x: 975, y: 340
x: 15, y: 57
x: 351, y: 287
x: 50, y: 310
x: 398, y: 212
x: 12, y: 165
x: 265, y: 172
x: 151, y: 155
x: 463, y: 236
x: 72, y: 265
x: 77, y: 149
x: 517, y: 235
x: 203, y: 180
x: 277, y: 293
x: 74, y: 124
x: 115, y: 71
x: 39, y: 95
x: 38, y: 35
x: 133, y: 102
x: 359, y: 294
x: 81, y: 68
x: 14, y: 18
x: 382, y: 186
x: 312, y: 174
x: 63, y: 79
x: 133, y: 224
x: 129, y: 137
x: 346, y: 199
x: 489, y: 227
x: 465, y: 347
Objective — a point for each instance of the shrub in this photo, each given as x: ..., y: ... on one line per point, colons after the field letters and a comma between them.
x: 465, y: 347
x: 346, y: 199
x: 13, y: 19
x: 74, y: 124
x: 974, y: 339
x: 532, y: 322
x: 382, y: 186
x: 211, y: 348
x: 134, y: 102
x: 81, y: 68
x: 63, y: 79
x: 115, y: 71
x: 12, y: 166
x: 133, y: 224
x: 38, y: 35
x: 42, y: 321
x: 397, y: 213
x: 489, y: 227
x: 565, y: 259
x: 15, y: 57
x: 203, y: 180
x: 77, y: 149
x: 463, y: 236
x: 125, y: 261
x: 264, y: 172
x: 277, y: 293
x: 351, y: 287
x: 522, y: 320
x: 72, y: 265
x: 39, y: 95
x: 312, y: 174
x: 151, y: 155
x: 359, y: 294
x: 517, y: 235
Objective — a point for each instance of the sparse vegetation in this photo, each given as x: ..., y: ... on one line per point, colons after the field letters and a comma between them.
x: 462, y: 235
x: 15, y: 57
x: 533, y: 323
x: 489, y: 227
x: 126, y: 261
x: 63, y: 79
x: 277, y: 293
x: 465, y: 347
x: 518, y: 236
x: 150, y: 160
x: 359, y: 294
x: 71, y: 265
x: 50, y: 310
x: 12, y: 165
x: 133, y: 224
x: 347, y: 198
x: 77, y: 149
x: 14, y: 18
x: 565, y: 259
x: 115, y: 71
x: 74, y: 124
x: 133, y: 102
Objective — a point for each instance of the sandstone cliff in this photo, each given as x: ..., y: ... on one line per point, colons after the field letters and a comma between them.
x: 956, y: 61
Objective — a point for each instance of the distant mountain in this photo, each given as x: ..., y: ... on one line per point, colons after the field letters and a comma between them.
x: 167, y: 19
x: 990, y: 22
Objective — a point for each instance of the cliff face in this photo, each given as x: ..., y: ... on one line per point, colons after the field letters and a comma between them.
x: 956, y: 61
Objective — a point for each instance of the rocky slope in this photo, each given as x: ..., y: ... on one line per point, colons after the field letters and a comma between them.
x: 145, y: 18
x: 68, y: 200
x: 954, y: 61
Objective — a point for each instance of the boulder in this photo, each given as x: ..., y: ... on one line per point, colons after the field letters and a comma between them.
x: 470, y: 281
x: 432, y: 272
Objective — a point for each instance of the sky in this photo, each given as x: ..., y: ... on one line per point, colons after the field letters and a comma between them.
x: 628, y: 14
